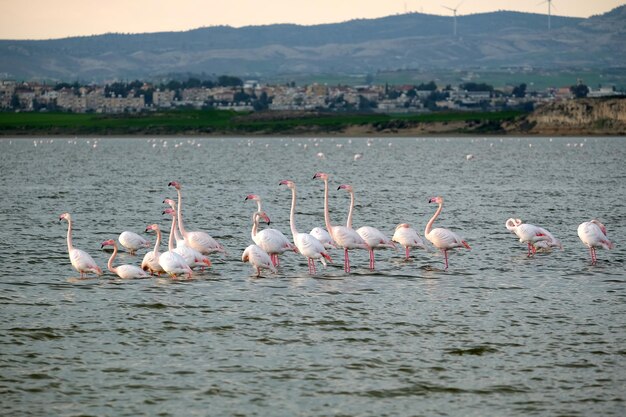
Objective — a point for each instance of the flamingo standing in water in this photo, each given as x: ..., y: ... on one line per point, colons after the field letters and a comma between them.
x: 343, y: 236
x: 408, y: 237
x: 170, y: 262
x: 593, y: 235
x: 307, y: 245
x: 198, y: 240
x: 81, y: 260
x: 132, y: 241
x: 374, y: 238
x: 272, y: 241
x: 122, y: 271
x: 150, y: 260
x: 443, y: 239
x: 258, y: 258
x: 191, y: 256
x: 534, y: 236
x: 323, y: 236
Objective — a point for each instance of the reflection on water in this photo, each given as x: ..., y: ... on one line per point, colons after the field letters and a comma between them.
x: 498, y: 332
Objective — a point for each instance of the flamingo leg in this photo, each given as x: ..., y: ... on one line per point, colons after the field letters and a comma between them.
x: 529, y: 250
x: 346, y: 261
x: 371, y: 259
x: 445, y: 256
x: 406, y: 249
x: 277, y: 260
x: 594, y: 259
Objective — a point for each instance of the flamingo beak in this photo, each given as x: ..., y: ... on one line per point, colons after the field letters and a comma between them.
x: 206, y: 262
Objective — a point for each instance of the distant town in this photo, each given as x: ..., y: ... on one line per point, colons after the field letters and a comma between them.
x: 232, y: 93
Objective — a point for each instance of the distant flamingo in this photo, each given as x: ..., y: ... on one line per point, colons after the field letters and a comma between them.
x: 272, y: 241
x: 171, y: 262
x: 191, y: 256
x: 307, y: 245
x: 132, y: 241
x: 534, y: 236
x: 150, y: 260
x: 198, y: 240
x: 443, y: 239
x: 323, y: 236
x: 593, y: 234
x: 374, y: 238
x: 123, y: 271
x: 343, y: 236
x: 258, y: 258
x: 408, y: 237
x: 81, y: 260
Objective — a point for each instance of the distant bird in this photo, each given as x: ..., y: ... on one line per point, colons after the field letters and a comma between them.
x: 534, y: 236
x: 272, y: 241
x: 408, y: 237
x: 345, y: 237
x: 323, y: 236
x: 258, y: 258
x: 190, y: 255
x: 123, y: 271
x: 593, y: 235
x: 307, y: 245
x: 443, y: 239
x: 132, y: 241
x: 198, y: 240
x: 150, y: 260
x: 81, y: 260
x: 374, y: 238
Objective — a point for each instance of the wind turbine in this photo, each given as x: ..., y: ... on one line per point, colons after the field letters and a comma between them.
x: 549, y: 12
x: 454, y: 11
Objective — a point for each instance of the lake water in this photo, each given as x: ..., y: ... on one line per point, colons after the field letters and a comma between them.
x: 497, y: 334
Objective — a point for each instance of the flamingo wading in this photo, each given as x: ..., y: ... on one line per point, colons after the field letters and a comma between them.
x: 593, y: 235
x: 123, y: 271
x: 534, y: 236
x: 443, y: 239
x: 81, y: 260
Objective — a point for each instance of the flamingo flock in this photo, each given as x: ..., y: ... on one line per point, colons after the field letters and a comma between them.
x: 189, y: 250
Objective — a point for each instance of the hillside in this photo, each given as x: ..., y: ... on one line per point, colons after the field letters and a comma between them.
x: 414, y: 40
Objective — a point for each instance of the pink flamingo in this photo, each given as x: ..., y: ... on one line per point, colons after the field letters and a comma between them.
x: 150, y: 260
x: 323, y: 236
x: 81, y: 260
x: 198, y: 240
x: 307, y: 245
x: 343, y: 236
x: 272, y: 241
x: 170, y: 262
x: 408, y: 237
x: 534, y: 236
x: 132, y: 241
x: 123, y: 271
x: 374, y: 238
x: 443, y: 239
x: 191, y: 256
x: 593, y: 235
x: 258, y: 258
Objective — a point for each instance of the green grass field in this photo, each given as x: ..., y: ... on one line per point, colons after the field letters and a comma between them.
x: 217, y: 122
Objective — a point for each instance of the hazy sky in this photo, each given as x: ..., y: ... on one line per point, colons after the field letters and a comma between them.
x: 41, y: 19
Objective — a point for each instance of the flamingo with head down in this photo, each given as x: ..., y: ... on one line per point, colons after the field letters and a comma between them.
x: 408, y: 237
x: 198, y: 240
x: 323, y: 236
x: 258, y: 258
x: 307, y: 245
x: 272, y: 241
x: 132, y: 241
x: 122, y: 271
x: 81, y: 260
x: 534, y: 236
x: 593, y: 235
x: 443, y: 239
x: 374, y: 238
x: 343, y: 236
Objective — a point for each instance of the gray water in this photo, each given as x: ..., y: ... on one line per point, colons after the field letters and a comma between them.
x: 497, y: 334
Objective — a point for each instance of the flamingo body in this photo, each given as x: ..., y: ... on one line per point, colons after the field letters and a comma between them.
x: 535, y: 237
x: 408, y: 238
x: 593, y: 235
x: 150, y: 260
x: 442, y: 238
x: 323, y: 236
x: 258, y: 258
x: 132, y: 241
x: 174, y: 264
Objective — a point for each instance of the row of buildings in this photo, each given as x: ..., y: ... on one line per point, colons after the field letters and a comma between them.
x: 253, y: 95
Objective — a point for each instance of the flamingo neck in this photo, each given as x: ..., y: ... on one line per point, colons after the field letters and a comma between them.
x: 255, y: 224
x: 157, y: 244
x: 349, y: 222
x: 70, y: 247
x: 170, y: 243
x: 432, y: 220
x: 292, y: 215
x: 179, y: 212
x: 326, y: 212
x: 259, y: 206
x: 113, y: 255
